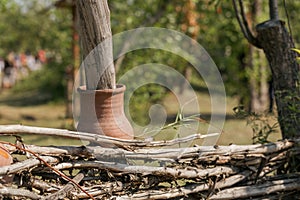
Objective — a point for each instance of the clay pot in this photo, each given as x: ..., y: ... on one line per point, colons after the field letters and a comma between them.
x: 5, y: 157
x: 5, y: 160
x: 102, y: 112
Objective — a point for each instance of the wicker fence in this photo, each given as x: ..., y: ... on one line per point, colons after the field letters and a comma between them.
x: 148, y: 169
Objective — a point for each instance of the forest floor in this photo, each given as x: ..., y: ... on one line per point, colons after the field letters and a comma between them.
x: 52, y: 115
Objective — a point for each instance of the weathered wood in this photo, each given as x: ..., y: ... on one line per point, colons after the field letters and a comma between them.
x: 103, y: 189
x: 205, y: 150
x: 258, y: 190
x: 185, y: 190
x: 63, y: 192
x: 134, y: 172
x: 72, y: 151
x: 43, y: 185
x: 96, y: 42
x: 13, y: 192
x: 26, y: 164
x: 203, y: 153
x: 145, y: 170
x: 100, y: 139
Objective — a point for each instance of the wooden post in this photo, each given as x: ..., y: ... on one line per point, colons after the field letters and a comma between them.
x: 95, y: 34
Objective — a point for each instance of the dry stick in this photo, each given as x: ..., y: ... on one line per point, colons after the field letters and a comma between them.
x: 49, y: 166
x: 97, y: 190
x: 75, y: 151
x: 222, y: 155
x: 185, y: 190
x: 62, y: 193
x: 13, y: 192
x: 13, y: 129
x: 258, y: 190
x: 43, y: 185
x: 204, y: 151
x: 159, y: 171
x: 17, y: 167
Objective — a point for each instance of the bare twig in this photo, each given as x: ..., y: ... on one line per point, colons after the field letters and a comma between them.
x: 145, y: 170
x: 146, y: 173
x: 26, y: 164
x: 185, y: 190
x: 222, y: 154
x: 63, y: 192
x: 13, y: 192
x: 43, y: 185
x: 48, y: 165
x: 97, y: 190
x: 100, y: 139
x: 244, y: 24
x: 258, y: 190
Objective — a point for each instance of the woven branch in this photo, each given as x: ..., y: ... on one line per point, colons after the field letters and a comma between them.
x: 100, y: 139
x: 139, y: 170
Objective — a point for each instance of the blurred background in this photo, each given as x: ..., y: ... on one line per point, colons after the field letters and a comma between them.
x: 40, y: 53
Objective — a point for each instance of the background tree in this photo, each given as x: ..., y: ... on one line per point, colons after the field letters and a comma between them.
x: 219, y: 34
x: 277, y: 43
x: 21, y: 32
x: 256, y: 67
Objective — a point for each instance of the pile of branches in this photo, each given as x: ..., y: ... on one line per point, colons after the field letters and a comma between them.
x: 135, y: 169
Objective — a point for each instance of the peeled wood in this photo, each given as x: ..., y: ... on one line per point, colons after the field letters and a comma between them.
x: 103, y: 189
x: 205, y: 170
x: 176, y: 156
x: 258, y: 190
x: 12, y: 192
x: 145, y: 170
x: 63, y: 192
x: 185, y: 190
x: 26, y: 164
x: 43, y: 185
x: 100, y: 139
x: 134, y: 144
x: 96, y: 42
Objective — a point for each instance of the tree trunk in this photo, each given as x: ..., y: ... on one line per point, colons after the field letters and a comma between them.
x: 71, y: 69
x: 258, y: 74
x: 277, y: 44
x: 95, y: 31
x: 191, y: 27
x: 264, y: 85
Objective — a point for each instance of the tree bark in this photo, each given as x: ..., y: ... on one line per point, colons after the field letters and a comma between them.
x: 96, y: 42
x: 277, y: 44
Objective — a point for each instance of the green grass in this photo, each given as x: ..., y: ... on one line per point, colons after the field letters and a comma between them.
x: 50, y: 115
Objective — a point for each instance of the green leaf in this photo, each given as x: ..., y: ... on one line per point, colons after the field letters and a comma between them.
x: 296, y: 50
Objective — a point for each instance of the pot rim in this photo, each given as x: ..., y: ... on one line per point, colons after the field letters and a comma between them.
x: 120, y: 88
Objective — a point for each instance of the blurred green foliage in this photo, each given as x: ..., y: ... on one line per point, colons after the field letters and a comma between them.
x: 262, y: 124
x: 29, y: 26
x: 47, y: 83
x: 33, y: 24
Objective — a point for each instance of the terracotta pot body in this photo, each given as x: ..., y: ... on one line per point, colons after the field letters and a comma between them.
x: 5, y: 157
x: 5, y: 160
x: 102, y: 112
